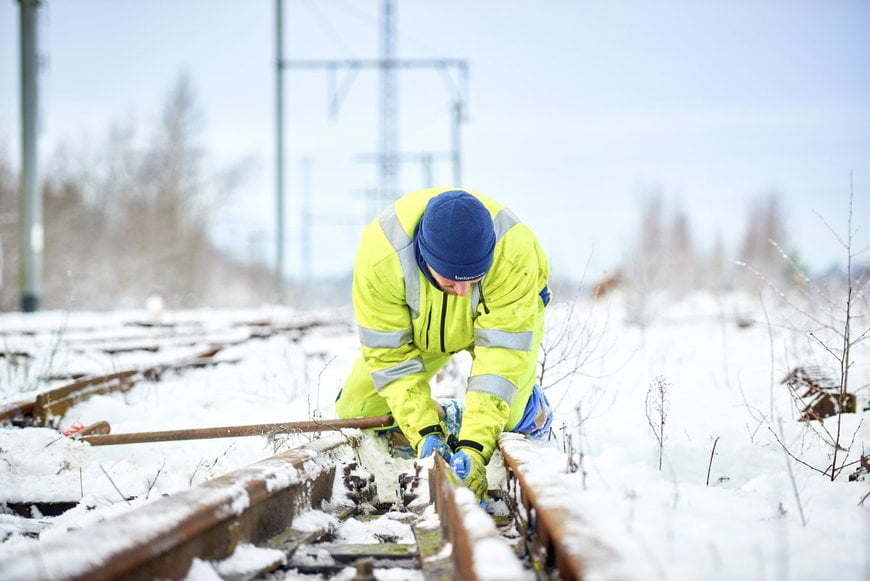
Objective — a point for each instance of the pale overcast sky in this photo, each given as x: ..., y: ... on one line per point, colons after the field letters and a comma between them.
x: 577, y: 110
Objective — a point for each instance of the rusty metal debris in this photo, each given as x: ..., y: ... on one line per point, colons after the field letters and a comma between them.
x: 818, y: 394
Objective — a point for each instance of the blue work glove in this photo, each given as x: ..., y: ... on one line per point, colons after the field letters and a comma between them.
x: 468, y: 465
x: 434, y: 443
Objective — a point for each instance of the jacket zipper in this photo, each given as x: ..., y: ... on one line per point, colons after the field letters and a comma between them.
x: 482, y: 299
x: 443, y: 321
x: 428, y: 327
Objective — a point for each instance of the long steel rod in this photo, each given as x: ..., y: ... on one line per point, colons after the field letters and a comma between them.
x: 237, y: 431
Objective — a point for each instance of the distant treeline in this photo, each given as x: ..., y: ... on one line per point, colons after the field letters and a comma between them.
x: 665, y: 259
x: 129, y: 218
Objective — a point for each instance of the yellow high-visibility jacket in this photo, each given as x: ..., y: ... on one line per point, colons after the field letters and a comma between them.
x: 406, y: 322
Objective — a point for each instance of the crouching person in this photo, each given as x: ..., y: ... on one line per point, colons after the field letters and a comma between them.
x: 437, y: 272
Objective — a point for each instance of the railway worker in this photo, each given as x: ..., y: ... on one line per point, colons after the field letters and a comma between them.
x: 440, y: 271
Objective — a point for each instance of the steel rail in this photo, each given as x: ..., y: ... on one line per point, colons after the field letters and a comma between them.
x: 49, y: 405
x: 52, y: 404
x: 257, y: 504
x: 208, y: 521
x: 479, y: 553
x: 16, y: 411
x: 55, y: 402
x: 559, y: 528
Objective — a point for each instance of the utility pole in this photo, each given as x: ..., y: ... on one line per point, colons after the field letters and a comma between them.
x: 31, y: 201
x: 279, y: 152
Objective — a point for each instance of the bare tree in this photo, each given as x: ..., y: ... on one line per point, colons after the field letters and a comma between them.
x: 847, y: 338
x: 130, y: 216
x: 681, y: 271
x: 644, y: 265
x: 716, y: 273
x: 765, y: 223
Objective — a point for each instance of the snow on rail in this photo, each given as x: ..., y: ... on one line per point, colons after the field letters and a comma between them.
x: 161, y: 539
x: 548, y: 493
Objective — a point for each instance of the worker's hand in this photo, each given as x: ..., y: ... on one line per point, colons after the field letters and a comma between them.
x: 471, y: 468
x: 434, y: 443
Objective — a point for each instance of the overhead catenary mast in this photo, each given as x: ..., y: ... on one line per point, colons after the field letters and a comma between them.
x: 390, y: 167
x: 390, y: 157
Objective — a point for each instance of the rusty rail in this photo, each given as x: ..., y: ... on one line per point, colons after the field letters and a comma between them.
x: 471, y: 530
x: 551, y: 520
x: 53, y: 403
x: 16, y: 411
x: 208, y: 521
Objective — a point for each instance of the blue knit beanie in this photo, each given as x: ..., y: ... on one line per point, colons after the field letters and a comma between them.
x: 456, y: 236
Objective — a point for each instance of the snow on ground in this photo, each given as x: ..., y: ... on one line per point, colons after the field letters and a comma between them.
x: 760, y: 514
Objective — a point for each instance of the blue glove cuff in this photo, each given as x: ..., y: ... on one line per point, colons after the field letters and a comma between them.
x: 434, y: 443
x: 461, y: 464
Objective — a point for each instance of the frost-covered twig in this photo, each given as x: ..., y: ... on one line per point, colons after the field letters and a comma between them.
x: 151, y: 483
x: 573, y: 348
x: 770, y: 338
x: 835, y: 471
x: 710, y: 465
x: 577, y: 458
x: 794, y: 488
x: 203, y: 463
x: 657, y: 407
x: 793, y: 457
x: 315, y: 414
x: 783, y: 297
x: 121, y: 494
x: 573, y: 345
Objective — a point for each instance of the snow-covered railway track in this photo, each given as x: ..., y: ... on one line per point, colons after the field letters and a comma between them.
x: 198, y: 342
x: 50, y: 405
x: 255, y: 522
x: 209, y: 521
